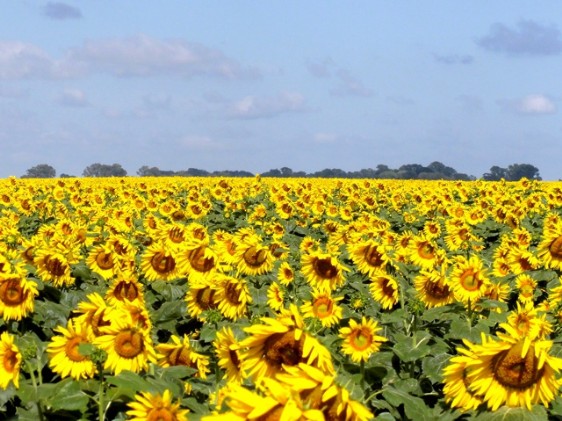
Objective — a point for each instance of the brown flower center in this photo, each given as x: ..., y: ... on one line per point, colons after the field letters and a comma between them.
x: 360, y: 338
x: 129, y: 343
x: 180, y: 356
x: 437, y: 290
x: 54, y: 266
x: 323, y: 307
x: 162, y: 263
x: 426, y: 250
x: 175, y: 235
x: 199, y: 262
x: 470, y: 281
x: 556, y: 248
x: 255, y: 257
x: 204, y: 298
x: 161, y: 414
x: 126, y: 290
x: 512, y: 370
x: 324, y: 268
x: 373, y: 257
x: 71, y: 349
x: 232, y: 293
x: 282, y: 348
x: 104, y: 260
x: 10, y: 360
x: 12, y: 293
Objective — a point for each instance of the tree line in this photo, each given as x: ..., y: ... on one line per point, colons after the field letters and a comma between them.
x: 434, y: 171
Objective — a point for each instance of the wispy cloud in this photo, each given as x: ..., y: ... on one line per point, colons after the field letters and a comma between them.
x: 530, y: 104
x: 350, y: 86
x: 73, y: 98
x: 20, y: 60
x: 528, y: 38
x: 254, y: 107
x: 453, y: 58
x: 143, y: 55
x: 321, y: 68
x: 61, y: 11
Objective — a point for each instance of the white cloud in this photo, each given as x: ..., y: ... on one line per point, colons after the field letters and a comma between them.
x: 143, y: 55
x: 21, y: 60
x: 73, y: 98
x: 323, y: 137
x: 350, y: 86
x: 198, y: 142
x: 252, y: 107
x: 537, y: 104
x: 530, y: 104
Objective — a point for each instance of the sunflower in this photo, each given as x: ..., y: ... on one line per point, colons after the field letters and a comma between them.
x: 384, y: 290
x: 252, y: 257
x: 159, y: 262
x: 525, y: 320
x: 456, y: 390
x: 432, y: 288
x: 278, y: 342
x: 275, y: 296
x: 322, y: 270
x: 180, y: 352
x: 369, y: 256
x: 228, y: 354
x: 128, y: 347
x: 424, y: 252
x: 201, y: 297
x: 65, y: 358
x: 200, y: 263
x: 95, y: 314
x: 360, y: 340
x: 522, y: 260
x: 233, y: 296
x: 526, y: 286
x: 513, y: 371
x: 53, y: 266
x: 17, y: 296
x: 148, y: 406
x: 125, y: 288
x: 285, y: 273
x: 10, y: 361
x: 103, y: 261
x: 549, y: 249
x: 324, y: 307
x: 469, y: 279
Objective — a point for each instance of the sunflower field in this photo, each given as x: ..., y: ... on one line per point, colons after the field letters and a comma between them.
x: 280, y: 299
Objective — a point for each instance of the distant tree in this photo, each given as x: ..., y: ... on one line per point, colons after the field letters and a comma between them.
x: 496, y: 173
x: 411, y: 171
x: 64, y: 175
x: 104, y: 170
x: 516, y: 172
x: 40, y: 171
x: 272, y: 173
x: 146, y: 171
x: 286, y: 172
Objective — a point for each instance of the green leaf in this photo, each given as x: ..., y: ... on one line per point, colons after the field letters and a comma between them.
x: 128, y: 384
x: 68, y: 396
x: 538, y: 413
x: 461, y: 330
x: 433, y: 366
x: 173, y: 310
x: 414, y: 407
x: 412, y: 348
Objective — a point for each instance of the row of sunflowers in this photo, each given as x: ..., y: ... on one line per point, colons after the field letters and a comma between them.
x: 280, y: 299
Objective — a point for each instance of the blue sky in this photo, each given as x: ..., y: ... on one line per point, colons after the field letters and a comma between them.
x: 248, y: 85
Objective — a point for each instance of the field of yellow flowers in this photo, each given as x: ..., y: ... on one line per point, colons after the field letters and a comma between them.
x: 280, y: 299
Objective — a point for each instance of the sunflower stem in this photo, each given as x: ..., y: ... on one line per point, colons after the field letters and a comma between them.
x: 101, y: 393
x: 362, y: 371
